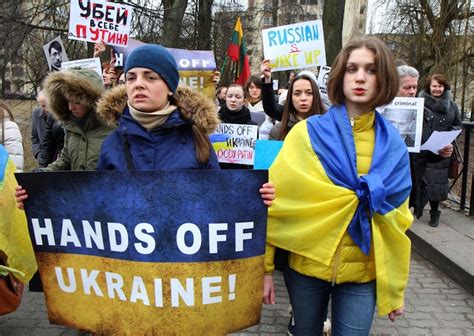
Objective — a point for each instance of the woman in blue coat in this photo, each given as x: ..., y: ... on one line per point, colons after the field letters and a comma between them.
x: 160, y: 126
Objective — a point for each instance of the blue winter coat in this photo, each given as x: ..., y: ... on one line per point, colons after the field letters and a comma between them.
x: 169, y: 146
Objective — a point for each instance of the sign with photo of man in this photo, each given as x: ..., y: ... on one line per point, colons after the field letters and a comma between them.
x: 406, y: 114
x: 55, y: 54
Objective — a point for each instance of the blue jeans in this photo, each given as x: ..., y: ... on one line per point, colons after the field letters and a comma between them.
x: 352, y: 305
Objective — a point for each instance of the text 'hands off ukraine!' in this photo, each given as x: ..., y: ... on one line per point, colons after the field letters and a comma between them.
x: 144, y: 242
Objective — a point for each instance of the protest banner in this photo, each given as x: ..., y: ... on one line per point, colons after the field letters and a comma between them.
x: 235, y: 143
x: 99, y: 20
x: 406, y: 114
x: 55, y: 54
x: 323, y: 77
x: 266, y: 152
x: 196, y: 67
x: 86, y: 63
x: 156, y: 252
x: 295, y: 46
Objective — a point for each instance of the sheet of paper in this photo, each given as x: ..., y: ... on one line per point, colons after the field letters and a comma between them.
x: 438, y: 140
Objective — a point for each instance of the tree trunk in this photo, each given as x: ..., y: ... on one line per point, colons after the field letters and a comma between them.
x: 172, y: 21
x: 204, y: 24
x: 333, y: 16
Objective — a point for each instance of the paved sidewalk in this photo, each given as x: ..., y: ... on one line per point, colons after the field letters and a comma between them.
x: 435, y: 304
x: 450, y: 246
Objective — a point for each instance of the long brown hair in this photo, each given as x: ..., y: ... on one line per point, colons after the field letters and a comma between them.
x: 288, y: 109
x: 385, y: 70
x: 203, y: 144
x: 5, y: 109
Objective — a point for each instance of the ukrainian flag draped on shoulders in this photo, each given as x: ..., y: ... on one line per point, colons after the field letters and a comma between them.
x: 320, y: 196
x: 15, y: 241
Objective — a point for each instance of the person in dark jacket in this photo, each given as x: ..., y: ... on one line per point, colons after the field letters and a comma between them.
x: 38, y: 124
x: 160, y: 126
x: 235, y: 112
x: 431, y: 170
x: 53, y: 141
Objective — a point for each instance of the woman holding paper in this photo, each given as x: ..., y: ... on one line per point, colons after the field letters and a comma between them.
x: 343, y: 182
x: 430, y: 170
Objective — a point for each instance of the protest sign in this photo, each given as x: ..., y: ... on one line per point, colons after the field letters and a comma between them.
x: 87, y: 63
x: 323, y: 77
x: 235, y: 143
x: 99, y: 20
x: 55, y: 54
x: 295, y: 46
x: 157, y: 252
x: 266, y: 152
x: 406, y: 114
x: 196, y: 67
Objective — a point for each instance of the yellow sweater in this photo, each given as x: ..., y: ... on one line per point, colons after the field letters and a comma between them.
x: 340, y: 260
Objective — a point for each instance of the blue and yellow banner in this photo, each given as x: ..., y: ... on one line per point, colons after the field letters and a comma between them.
x: 177, y: 252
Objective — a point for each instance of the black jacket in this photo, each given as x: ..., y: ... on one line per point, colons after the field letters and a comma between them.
x: 430, y: 171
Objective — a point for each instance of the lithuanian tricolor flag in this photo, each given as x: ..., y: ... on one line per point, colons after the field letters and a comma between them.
x: 237, y: 52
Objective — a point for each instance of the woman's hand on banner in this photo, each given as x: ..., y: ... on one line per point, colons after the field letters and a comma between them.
x: 20, y: 196
x: 267, y: 191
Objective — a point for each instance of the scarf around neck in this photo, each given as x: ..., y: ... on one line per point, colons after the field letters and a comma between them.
x: 235, y: 117
x: 151, y: 120
x: 384, y: 188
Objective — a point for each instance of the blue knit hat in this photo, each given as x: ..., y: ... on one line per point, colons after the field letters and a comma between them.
x: 158, y: 59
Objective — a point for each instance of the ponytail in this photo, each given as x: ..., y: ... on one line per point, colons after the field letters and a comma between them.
x: 203, y: 145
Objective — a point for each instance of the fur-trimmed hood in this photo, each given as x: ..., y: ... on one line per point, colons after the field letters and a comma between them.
x: 84, y: 85
x: 438, y: 104
x: 192, y: 105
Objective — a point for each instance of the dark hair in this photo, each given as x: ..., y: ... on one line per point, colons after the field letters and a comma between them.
x: 56, y: 45
x: 219, y: 89
x: 440, y: 78
x: 385, y: 71
x: 257, y: 81
x: 106, y: 66
x: 236, y: 85
x: 316, y: 106
x: 203, y: 144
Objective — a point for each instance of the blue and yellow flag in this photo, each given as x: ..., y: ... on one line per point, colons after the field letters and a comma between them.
x: 14, y: 238
x: 320, y: 197
x: 157, y: 253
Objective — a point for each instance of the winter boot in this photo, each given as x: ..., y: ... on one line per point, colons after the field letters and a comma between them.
x: 434, y: 217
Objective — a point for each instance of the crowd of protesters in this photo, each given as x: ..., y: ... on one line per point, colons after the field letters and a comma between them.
x: 339, y: 190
